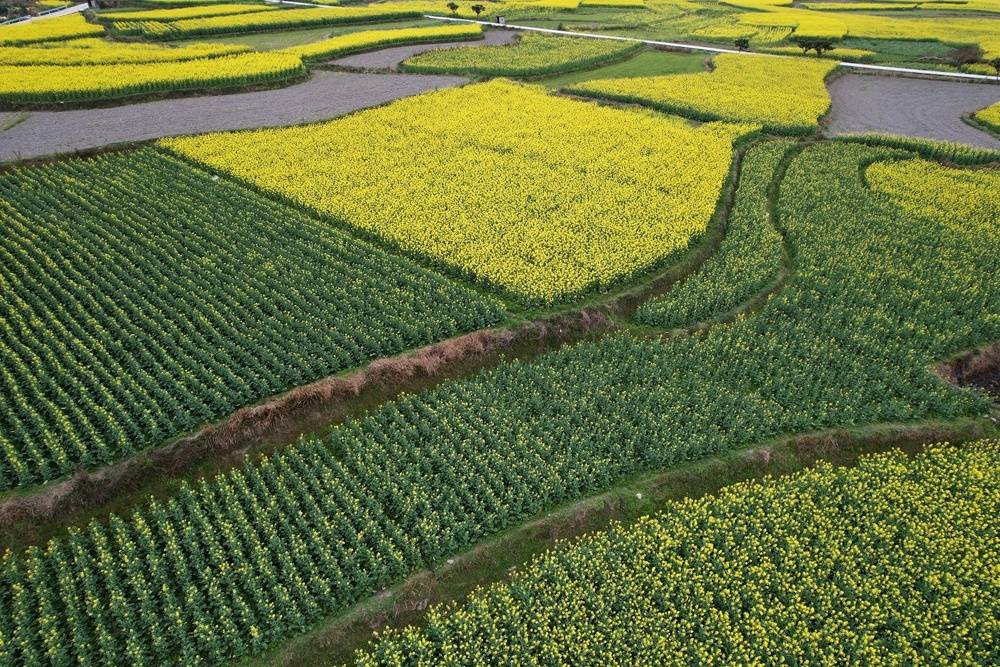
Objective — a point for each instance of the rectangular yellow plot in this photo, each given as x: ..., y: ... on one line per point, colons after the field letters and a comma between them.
x: 541, y: 196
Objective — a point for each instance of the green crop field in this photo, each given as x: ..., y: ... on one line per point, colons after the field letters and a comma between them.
x: 498, y: 347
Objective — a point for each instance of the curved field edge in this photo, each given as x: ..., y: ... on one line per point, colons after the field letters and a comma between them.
x: 336, y: 639
x: 308, y: 62
x: 568, y: 276
x: 892, y: 555
x: 31, y: 515
x: 431, y: 559
x: 756, y: 296
x: 180, y: 92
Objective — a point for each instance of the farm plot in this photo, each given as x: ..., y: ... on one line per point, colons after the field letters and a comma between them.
x: 54, y: 29
x: 225, y: 568
x: 990, y: 117
x: 532, y: 55
x: 783, y: 94
x: 749, y: 260
x: 538, y: 195
x: 102, y: 52
x: 45, y: 84
x: 893, y: 556
x: 142, y: 298
x: 364, y: 40
x: 262, y: 21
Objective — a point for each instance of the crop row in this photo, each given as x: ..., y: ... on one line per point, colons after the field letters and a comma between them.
x: 263, y: 21
x: 532, y: 55
x: 225, y: 568
x: 141, y: 298
x: 568, y: 197
x: 50, y: 29
x: 783, y: 94
x: 181, y: 13
x: 363, y: 40
x: 749, y: 259
x: 990, y: 116
x: 44, y: 84
x: 890, y: 561
x: 103, y: 52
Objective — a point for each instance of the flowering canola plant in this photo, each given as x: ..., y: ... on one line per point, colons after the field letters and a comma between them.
x: 892, y: 561
x: 532, y: 55
x: 542, y: 196
x: 179, y: 13
x: 52, y: 83
x: 372, y: 39
x: 964, y: 199
x: 104, y: 52
x: 263, y: 21
x: 61, y: 27
x: 783, y: 94
x: 989, y: 116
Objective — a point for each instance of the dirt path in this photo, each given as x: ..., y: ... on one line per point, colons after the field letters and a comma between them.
x: 913, y: 107
x: 391, y: 58
x: 324, y: 95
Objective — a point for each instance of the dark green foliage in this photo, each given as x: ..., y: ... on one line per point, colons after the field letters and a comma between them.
x: 748, y: 260
x: 140, y: 298
x: 258, y: 554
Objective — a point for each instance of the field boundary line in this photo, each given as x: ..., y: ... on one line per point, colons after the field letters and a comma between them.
x: 715, y: 49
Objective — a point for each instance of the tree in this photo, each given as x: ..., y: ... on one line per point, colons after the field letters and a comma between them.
x: 742, y: 43
x: 996, y: 65
x: 478, y: 9
x: 817, y: 44
x: 453, y: 6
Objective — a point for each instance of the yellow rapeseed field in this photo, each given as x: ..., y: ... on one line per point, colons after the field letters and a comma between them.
x: 990, y: 116
x: 55, y: 83
x: 371, y: 39
x: 61, y: 27
x: 784, y: 94
x: 964, y: 199
x: 104, y: 52
x: 542, y: 196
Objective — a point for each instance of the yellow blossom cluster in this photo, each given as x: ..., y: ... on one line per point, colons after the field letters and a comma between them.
x: 90, y: 51
x: 58, y: 28
x: 180, y: 13
x: 263, y: 21
x: 783, y: 94
x: 990, y: 116
x: 363, y: 40
x: 42, y: 84
x: 966, y: 200
x: 542, y: 196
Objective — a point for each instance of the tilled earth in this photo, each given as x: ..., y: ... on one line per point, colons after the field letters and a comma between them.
x: 915, y: 107
x: 323, y: 95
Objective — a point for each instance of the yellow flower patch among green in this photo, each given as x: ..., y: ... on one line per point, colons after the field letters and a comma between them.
x: 542, y: 196
x: 784, y: 94
x: 965, y: 199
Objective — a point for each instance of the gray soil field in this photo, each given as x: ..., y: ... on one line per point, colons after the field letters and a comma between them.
x: 324, y: 95
x: 914, y: 107
x: 391, y: 58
